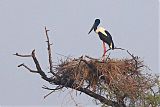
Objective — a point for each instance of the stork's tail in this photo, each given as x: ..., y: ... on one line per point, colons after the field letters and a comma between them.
x: 112, y: 46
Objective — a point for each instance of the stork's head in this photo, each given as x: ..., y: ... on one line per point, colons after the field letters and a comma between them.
x: 96, y: 23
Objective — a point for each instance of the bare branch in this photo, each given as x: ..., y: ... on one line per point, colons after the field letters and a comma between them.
x: 49, y: 94
x: 91, y: 58
x: 49, y: 53
x: 22, y: 55
x: 43, y: 75
x: 99, y: 97
x: 39, y: 70
x: 76, y: 104
x: 57, y: 88
x: 49, y: 50
x: 53, y: 90
x: 36, y: 61
x: 134, y: 58
x: 33, y: 71
x: 114, y: 49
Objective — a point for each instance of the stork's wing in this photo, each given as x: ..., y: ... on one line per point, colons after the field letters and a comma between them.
x: 107, y: 39
x: 109, y: 35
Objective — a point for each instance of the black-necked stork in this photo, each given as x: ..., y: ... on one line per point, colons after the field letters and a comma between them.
x: 104, y: 35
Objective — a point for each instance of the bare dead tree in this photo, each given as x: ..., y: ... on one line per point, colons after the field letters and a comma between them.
x: 112, y: 82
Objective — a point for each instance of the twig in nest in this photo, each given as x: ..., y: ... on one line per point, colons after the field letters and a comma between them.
x: 90, y: 57
x: 134, y: 58
x: 67, y: 57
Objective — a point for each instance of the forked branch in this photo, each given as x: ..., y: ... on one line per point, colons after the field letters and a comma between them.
x: 38, y: 67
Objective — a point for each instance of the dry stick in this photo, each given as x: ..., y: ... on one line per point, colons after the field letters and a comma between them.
x: 49, y: 50
x: 33, y: 71
x: 111, y: 49
x: 43, y: 75
x: 79, y: 72
x: 68, y: 57
x: 57, y: 88
x: 99, y: 97
x: 48, y: 94
x: 22, y: 55
x: 49, y: 54
x: 36, y: 61
x: 53, y: 90
x: 76, y: 104
x: 92, y: 58
x: 114, y: 49
x: 134, y: 58
x: 39, y: 70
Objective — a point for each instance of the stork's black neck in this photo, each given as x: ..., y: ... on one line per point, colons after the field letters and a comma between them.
x: 95, y: 28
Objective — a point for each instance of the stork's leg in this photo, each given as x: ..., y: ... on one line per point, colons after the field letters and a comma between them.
x: 104, y: 51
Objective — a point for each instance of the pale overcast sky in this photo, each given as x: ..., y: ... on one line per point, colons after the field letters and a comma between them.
x: 133, y: 25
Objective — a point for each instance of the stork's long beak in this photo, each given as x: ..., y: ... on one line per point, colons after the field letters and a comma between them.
x: 94, y: 25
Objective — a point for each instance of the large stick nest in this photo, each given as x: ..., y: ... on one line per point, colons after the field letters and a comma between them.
x: 112, y: 78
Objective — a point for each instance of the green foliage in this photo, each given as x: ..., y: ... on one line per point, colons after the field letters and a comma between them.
x: 153, y: 100
x: 153, y: 97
